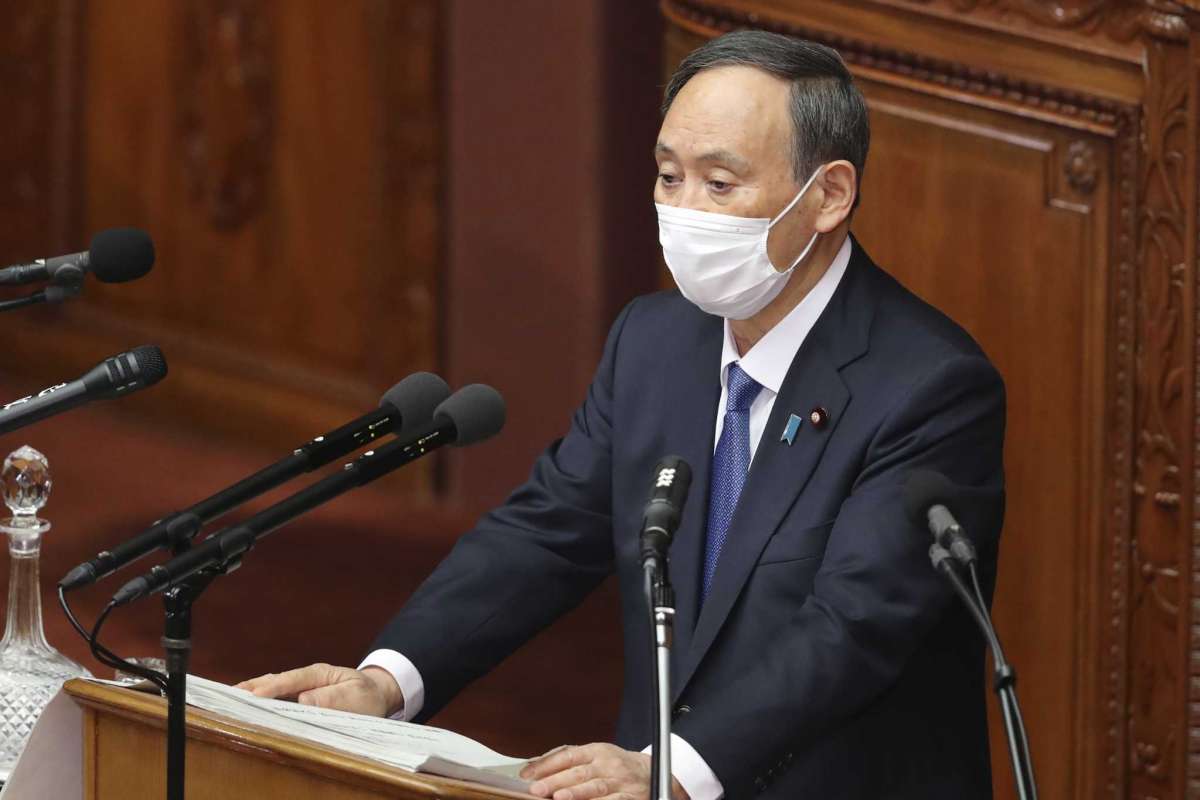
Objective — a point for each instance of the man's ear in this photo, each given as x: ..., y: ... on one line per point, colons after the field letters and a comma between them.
x: 839, y: 188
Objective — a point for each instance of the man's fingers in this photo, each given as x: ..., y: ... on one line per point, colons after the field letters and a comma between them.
x: 555, y: 761
x: 360, y: 696
x: 572, y: 778
x: 324, y: 697
x: 530, y: 770
x: 250, y: 683
x: 594, y: 788
x: 292, y: 682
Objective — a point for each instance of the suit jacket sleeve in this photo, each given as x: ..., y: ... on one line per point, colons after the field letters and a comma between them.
x: 875, y: 595
x: 525, y: 563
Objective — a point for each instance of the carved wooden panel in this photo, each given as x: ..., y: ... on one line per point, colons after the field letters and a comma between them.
x: 1013, y: 249
x: 1034, y: 173
x: 286, y: 158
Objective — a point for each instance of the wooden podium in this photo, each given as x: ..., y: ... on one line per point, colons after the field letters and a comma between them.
x: 124, y: 757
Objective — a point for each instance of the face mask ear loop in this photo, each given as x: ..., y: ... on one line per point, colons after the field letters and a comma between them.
x: 795, y: 199
x: 789, y: 207
x: 804, y: 254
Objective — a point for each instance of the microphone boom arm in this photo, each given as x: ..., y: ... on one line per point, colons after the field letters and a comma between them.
x: 1005, y: 677
x: 223, y: 550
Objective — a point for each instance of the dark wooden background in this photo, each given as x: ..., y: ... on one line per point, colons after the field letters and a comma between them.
x: 334, y: 210
x: 341, y: 194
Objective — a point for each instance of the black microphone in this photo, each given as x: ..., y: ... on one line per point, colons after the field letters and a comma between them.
x: 927, y: 497
x: 405, y: 407
x: 470, y: 415
x: 114, y: 256
x: 120, y: 375
x: 672, y: 479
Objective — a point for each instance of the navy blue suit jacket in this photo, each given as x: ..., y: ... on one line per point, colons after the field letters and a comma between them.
x: 829, y: 660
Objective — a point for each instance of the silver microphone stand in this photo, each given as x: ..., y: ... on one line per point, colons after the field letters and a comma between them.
x: 672, y: 479
x: 661, y: 602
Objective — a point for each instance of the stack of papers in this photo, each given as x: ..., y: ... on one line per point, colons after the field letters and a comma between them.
x: 51, y: 764
x: 418, y: 748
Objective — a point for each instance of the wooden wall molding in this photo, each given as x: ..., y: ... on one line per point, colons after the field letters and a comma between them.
x: 1193, y: 667
x: 1162, y: 509
x: 1120, y: 20
x: 895, y: 65
x: 1164, y: 504
x: 1080, y: 167
x: 1118, y: 513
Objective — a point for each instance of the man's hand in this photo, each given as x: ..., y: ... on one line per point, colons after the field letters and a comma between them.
x: 593, y: 771
x: 369, y: 691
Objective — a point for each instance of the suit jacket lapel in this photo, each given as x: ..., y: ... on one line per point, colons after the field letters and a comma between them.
x: 780, y: 471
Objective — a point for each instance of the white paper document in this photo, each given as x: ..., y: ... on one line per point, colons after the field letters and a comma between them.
x: 408, y: 746
x: 419, y: 748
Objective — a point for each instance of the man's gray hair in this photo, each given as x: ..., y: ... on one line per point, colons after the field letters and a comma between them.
x: 829, y: 114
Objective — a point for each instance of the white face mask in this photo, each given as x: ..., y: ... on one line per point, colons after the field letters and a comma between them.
x: 720, y: 261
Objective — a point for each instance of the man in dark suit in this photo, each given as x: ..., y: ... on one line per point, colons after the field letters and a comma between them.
x: 817, y: 653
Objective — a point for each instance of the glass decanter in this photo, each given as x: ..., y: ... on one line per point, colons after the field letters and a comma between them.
x: 31, y: 671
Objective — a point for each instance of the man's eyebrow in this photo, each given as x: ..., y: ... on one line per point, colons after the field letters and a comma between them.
x: 718, y: 156
x: 725, y: 157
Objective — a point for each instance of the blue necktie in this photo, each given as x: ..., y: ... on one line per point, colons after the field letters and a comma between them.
x: 730, y: 463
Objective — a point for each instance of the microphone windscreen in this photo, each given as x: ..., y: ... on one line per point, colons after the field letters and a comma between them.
x: 477, y: 412
x: 925, y: 488
x: 672, y: 480
x: 151, y: 363
x: 120, y: 254
x: 415, y: 398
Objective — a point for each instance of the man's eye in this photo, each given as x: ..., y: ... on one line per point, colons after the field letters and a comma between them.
x: 668, y: 180
x: 718, y: 186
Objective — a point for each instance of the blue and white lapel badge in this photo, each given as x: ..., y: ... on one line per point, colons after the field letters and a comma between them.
x: 791, y: 429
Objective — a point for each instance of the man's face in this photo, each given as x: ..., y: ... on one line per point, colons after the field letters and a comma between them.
x: 725, y: 146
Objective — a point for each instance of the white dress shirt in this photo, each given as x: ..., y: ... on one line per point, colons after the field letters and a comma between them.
x: 767, y: 363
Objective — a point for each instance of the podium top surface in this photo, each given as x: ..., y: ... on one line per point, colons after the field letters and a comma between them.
x: 260, y: 743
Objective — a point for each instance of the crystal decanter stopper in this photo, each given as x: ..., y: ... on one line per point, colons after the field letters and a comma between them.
x: 31, y: 671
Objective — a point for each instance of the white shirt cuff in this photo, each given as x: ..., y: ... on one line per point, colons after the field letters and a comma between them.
x: 692, y: 772
x: 412, y: 688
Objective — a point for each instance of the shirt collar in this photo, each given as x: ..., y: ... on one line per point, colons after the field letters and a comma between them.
x: 771, y: 357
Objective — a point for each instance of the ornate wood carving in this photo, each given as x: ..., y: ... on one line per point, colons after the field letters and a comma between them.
x: 1121, y: 20
x: 1118, y: 497
x: 1080, y: 167
x: 226, y: 112
x: 1095, y: 113
x: 1165, y: 421
x: 1190, y: 138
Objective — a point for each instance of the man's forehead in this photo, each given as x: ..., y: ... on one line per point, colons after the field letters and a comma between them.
x: 733, y: 92
x: 734, y: 108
